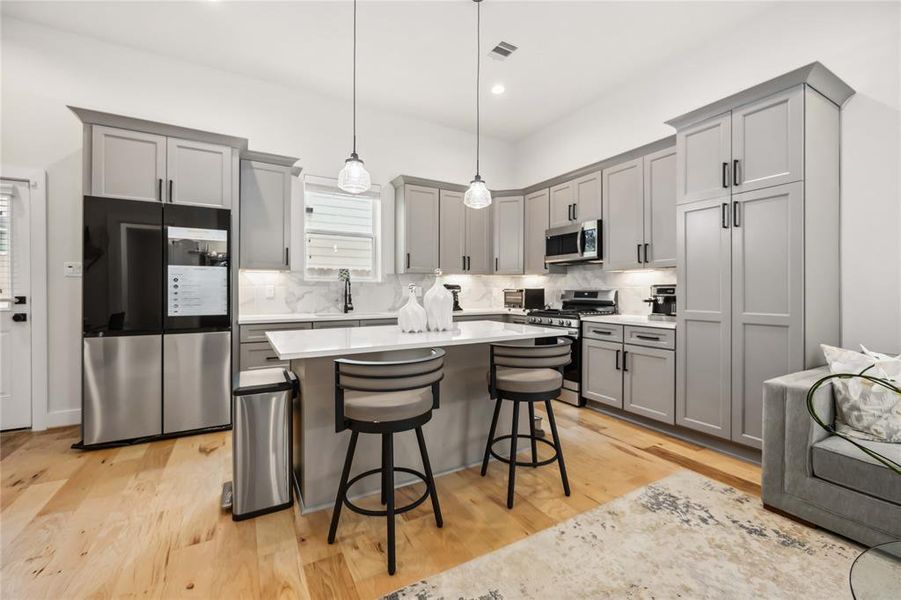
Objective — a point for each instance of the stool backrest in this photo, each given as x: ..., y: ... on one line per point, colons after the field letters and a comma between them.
x: 533, y: 356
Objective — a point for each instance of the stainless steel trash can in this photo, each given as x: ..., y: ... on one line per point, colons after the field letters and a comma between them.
x: 261, y: 443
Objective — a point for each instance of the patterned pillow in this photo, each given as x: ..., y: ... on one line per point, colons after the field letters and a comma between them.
x: 863, y: 409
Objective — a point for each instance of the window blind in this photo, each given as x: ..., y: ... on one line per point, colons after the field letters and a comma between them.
x: 5, y: 242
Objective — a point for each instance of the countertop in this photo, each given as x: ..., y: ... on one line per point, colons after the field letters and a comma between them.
x: 355, y: 316
x: 314, y: 343
x: 641, y: 320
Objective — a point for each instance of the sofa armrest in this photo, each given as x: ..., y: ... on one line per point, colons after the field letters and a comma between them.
x: 788, y: 429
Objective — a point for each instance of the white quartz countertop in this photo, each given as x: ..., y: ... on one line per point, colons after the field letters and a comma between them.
x: 641, y: 320
x: 314, y: 343
x: 359, y: 316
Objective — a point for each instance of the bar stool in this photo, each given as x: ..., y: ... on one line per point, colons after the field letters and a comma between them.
x: 386, y: 397
x: 530, y: 374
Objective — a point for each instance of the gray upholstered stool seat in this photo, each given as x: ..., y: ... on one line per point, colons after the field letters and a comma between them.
x: 383, y: 407
x: 528, y: 380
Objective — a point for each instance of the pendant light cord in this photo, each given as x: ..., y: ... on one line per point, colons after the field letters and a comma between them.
x: 478, y: 76
x: 355, y: 80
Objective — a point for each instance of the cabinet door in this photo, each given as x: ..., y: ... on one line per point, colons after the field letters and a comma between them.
x: 768, y: 141
x: 587, y: 191
x: 649, y: 383
x: 420, y: 219
x: 563, y: 197
x: 265, y: 215
x: 199, y: 173
x: 767, y: 299
x: 260, y: 355
x: 602, y: 377
x: 508, y: 235
x: 452, y: 232
x: 704, y: 159
x: 479, y: 255
x: 623, y: 215
x: 660, y: 209
x: 127, y: 164
x: 703, y: 341
x: 537, y: 222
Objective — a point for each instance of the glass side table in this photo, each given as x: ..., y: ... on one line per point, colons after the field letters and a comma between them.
x: 876, y: 573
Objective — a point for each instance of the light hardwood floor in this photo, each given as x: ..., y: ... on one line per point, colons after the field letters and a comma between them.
x: 144, y: 521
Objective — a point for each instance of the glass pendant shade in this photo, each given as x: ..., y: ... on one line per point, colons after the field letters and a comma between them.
x: 354, y: 178
x: 477, y: 196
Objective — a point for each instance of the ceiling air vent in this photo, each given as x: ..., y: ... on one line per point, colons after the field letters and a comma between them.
x: 502, y: 51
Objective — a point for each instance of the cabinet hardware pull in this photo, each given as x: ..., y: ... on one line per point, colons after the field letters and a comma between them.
x: 408, y: 260
x: 625, y: 355
x: 646, y: 252
x: 575, y: 211
x: 617, y: 360
x: 469, y: 263
x: 735, y: 210
x: 725, y: 174
x: 639, y: 252
x: 569, y: 212
x: 271, y: 358
x: 724, y: 215
x: 602, y: 332
x: 735, y: 178
x: 647, y: 337
x: 463, y: 261
x: 286, y: 257
x: 159, y: 188
x: 170, y: 190
x: 495, y: 263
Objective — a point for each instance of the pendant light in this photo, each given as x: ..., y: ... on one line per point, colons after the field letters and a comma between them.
x: 477, y: 196
x: 354, y: 178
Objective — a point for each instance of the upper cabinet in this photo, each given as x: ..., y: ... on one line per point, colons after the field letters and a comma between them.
x: 508, y: 235
x: 537, y: 221
x: 478, y: 241
x: 134, y: 165
x: 464, y: 239
x: 127, y: 164
x: 705, y: 154
x: 640, y: 212
x: 576, y: 200
x: 265, y: 202
x: 416, y: 228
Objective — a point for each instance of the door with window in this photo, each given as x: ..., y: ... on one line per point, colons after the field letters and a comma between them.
x: 15, y: 327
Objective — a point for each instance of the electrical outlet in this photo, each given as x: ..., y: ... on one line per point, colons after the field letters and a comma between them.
x: 419, y: 291
x: 72, y: 269
x: 270, y: 292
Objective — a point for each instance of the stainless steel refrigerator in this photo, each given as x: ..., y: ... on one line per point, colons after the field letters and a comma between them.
x: 156, y: 320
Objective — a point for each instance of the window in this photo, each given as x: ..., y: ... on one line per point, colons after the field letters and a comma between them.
x: 340, y: 230
x: 6, y: 197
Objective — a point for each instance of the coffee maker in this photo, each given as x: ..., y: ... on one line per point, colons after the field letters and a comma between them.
x: 455, y: 290
x: 663, y: 302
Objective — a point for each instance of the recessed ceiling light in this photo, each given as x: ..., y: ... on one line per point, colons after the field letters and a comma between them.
x: 498, y: 89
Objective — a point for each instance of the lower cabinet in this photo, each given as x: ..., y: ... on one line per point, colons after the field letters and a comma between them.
x: 649, y: 382
x: 259, y: 355
x: 602, y: 379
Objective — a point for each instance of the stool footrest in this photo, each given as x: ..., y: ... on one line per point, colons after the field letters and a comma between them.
x: 384, y: 513
x: 523, y: 463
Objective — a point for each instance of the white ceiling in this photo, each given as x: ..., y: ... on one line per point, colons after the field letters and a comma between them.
x: 416, y: 58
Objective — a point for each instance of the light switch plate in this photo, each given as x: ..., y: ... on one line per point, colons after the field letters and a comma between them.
x: 270, y: 292
x: 72, y: 269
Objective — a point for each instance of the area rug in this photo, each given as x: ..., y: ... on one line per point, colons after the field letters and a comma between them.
x: 684, y: 536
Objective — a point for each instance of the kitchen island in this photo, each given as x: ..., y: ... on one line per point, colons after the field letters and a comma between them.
x: 456, y: 434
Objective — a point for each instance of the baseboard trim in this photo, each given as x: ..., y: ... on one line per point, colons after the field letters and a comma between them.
x: 63, y: 418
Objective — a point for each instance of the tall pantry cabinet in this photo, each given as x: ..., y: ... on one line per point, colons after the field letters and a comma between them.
x: 757, y: 239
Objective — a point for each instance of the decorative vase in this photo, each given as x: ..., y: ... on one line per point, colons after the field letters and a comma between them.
x: 412, y: 318
x: 439, y: 306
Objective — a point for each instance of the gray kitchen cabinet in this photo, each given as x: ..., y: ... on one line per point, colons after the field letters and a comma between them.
x: 338, y: 324
x: 703, y: 346
x: 265, y: 200
x: 768, y: 141
x: 587, y: 191
x: 257, y: 331
x: 508, y: 235
x: 660, y: 209
x: 198, y: 173
x: 602, y: 377
x: 649, y: 382
x: 704, y: 153
x: 377, y: 322
x: 259, y: 355
x: 479, y: 253
x: 562, y: 201
x: 452, y: 233
x: 767, y: 299
x: 537, y: 221
x: 623, y: 187
x: 127, y: 164
x: 416, y: 228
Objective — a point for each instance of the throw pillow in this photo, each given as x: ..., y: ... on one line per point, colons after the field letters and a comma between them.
x: 863, y: 409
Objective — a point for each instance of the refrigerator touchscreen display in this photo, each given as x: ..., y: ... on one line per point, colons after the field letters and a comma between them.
x: 197, y: 272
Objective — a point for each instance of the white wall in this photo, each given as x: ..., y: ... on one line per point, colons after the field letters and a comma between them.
x: 857, y: 41
x: 43, y: 70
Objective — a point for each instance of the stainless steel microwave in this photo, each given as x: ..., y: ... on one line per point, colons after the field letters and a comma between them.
x: 579, y: 242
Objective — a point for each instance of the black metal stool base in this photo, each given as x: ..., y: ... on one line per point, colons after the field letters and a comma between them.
x: 387, y: 431
x: 510, y: 460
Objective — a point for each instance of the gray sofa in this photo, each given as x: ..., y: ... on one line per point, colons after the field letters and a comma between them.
x: 822, y: 478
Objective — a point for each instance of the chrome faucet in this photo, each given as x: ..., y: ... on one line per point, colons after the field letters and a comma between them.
x: 344, y: 275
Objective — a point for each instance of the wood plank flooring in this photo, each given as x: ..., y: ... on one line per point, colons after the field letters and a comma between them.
x: 144, y: 521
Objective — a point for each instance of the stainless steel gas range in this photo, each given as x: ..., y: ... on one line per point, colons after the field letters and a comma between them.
x: 576, y: 304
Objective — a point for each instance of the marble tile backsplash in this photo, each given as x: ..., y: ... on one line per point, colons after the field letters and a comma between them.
x: 291, y: 294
